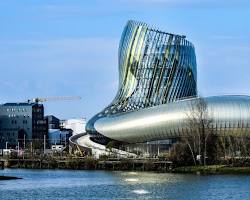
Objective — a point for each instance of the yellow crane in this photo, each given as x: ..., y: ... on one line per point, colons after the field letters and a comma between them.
x: 53, y: 98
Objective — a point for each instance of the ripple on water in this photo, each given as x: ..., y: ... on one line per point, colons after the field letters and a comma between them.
x: 131, y: 179
x: 140, y: 191
x: 132, y: 173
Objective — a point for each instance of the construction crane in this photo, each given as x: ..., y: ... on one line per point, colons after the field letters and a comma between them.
x: 55, y: 98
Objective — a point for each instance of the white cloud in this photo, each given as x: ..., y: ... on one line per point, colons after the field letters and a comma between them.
x: 199, y: 3
x: 229, y: 37
x: 185, y: 1
x: 91, y: 43
x: 61, y: 53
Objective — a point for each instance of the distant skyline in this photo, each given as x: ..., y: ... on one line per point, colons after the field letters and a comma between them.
x: 70, y: 48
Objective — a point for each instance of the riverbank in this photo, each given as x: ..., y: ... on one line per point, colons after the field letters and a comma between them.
x: 153, y: 165
x: 212, y: 169
x: 90, y: 163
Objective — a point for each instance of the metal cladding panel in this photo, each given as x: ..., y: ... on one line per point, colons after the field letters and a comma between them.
x: 160, y: 122
x: 155, y: 68
x: 157, y: 86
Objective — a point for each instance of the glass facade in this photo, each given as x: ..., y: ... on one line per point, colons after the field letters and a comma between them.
x: 156, y: 71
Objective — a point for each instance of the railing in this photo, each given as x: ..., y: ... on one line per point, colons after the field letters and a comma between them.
x: 74, y: 145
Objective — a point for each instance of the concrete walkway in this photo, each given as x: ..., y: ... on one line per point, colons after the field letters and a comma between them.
x: 98, y: 149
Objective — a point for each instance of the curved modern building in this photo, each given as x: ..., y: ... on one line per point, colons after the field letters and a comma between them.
x: 157, y: 87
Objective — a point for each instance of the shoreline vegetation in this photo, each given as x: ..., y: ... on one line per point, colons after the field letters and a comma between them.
x: 212, y: 169
x: 90, y: 163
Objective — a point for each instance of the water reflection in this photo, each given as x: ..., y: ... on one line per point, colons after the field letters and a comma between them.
x: 132, y: 179
x: 141, y: 191
x: 150, y: 178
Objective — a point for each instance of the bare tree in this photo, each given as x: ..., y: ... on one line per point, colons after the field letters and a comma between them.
x: 199, y: 129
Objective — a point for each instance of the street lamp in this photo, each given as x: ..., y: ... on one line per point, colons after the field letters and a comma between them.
x: 6, y: 145
x: 44, y: 144
x: 18, y: 148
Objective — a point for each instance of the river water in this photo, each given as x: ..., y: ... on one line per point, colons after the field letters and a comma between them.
x: 74, y: 185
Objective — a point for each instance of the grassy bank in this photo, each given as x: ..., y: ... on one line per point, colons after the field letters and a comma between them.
x: 90, y: 163
x: 212, y: 169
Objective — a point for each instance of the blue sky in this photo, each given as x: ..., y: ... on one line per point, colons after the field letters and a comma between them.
x: 62, y: 48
